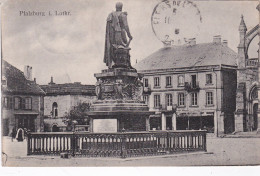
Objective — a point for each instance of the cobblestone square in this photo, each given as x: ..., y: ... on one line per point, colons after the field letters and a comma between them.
x: 220, y: 151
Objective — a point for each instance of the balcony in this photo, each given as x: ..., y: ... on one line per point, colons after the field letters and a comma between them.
x: 147, y: 90
x: 252, y: 62
x: 191, y: 87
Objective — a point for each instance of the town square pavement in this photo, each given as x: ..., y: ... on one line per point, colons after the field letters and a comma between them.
x: 220, y: 151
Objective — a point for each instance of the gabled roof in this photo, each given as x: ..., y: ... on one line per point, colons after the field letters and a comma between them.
x: 204, y: 54
x: 69, y: 89
x: 17, y: 83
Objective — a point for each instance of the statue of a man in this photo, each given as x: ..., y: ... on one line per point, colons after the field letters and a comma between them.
x: 116, y: 30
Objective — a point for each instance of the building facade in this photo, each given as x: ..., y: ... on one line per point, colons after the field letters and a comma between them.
x: 247, y: 115
x: 22, y: 100
x: 191, y: 86
x: 60, y: 99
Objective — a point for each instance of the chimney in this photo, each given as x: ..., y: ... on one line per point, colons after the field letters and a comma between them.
x: 34, y: 80
x: 28, y: 72
x: 192, y: 41
x: 225, y: 42
x: 217, y: 39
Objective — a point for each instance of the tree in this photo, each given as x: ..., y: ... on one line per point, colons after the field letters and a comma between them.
x: 78, y: 115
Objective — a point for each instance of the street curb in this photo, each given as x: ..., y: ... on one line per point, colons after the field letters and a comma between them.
x: 240, y: 136
x: 44, y: 157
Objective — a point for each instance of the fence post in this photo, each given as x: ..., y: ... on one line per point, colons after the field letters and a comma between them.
x: 123, y: 146
x: 73, y: 140
x: 28, y: 143
x: 167, y: 143
x: 205, y: 141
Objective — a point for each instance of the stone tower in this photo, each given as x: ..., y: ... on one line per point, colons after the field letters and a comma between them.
x: 247, y: 116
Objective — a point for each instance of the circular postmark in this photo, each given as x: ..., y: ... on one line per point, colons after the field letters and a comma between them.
x: 174, y: 21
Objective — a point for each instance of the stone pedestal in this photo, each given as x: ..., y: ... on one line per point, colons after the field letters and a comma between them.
x: 119, y: 92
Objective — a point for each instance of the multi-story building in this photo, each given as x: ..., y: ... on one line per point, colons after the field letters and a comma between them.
x: 191, y: 86
x: 22, y: 100
x: 60, y: 99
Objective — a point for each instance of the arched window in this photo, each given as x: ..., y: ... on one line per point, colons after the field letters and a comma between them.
x: 254, y: 94
x: 55, y: 109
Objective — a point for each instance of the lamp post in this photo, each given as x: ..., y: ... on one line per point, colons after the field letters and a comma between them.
x: 174, y: 117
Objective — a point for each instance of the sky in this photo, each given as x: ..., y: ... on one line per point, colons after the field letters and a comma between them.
x: 71, y: 48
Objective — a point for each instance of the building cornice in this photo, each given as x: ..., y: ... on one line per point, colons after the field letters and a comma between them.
x: 188, y: 69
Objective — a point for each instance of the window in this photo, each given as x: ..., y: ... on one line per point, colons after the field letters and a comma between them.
x: 194, y: 99
x: 169, y: 99
x: 193, y: 81
x: 146, y: 99
x: 8, y: 102
x: 208, y: 78
x: 209, y: 98
x: 156, y: 82
x: 28, y: 103
x: 168, y: 81
x: 157, y: 101
x: 55, y: 109
x: 145, y: 82
x: 17, y: 103
x: 181, y: 80
x: 181, y: 99
x: 5, y: 103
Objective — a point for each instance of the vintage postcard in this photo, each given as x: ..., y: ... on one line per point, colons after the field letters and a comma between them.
x: 130, y: 83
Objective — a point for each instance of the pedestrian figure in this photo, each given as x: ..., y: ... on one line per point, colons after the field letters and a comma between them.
x: 20, y: 135
x: 13, y: 133
x: 25, y: 133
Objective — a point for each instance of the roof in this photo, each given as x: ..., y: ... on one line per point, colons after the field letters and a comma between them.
x: 69, y: 89
x: 17, y: 83
x: 204, y: 54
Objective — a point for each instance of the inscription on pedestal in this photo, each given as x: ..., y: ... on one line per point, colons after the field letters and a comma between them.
x: 104, y: 125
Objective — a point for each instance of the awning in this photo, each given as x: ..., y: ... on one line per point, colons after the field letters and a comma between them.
x: 194, y: 114
x: 26, y: 113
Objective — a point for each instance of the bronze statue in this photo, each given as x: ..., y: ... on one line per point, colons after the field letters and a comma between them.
x: 116, y: 44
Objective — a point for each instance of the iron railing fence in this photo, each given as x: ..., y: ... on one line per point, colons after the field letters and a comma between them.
x: 128, y: 144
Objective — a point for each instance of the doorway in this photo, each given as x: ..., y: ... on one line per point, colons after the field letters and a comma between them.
x: 55, y: 128
x: 27, y: 122
x: 168, y: 123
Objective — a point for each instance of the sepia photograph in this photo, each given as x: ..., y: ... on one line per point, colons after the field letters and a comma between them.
x: 100, y: 83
